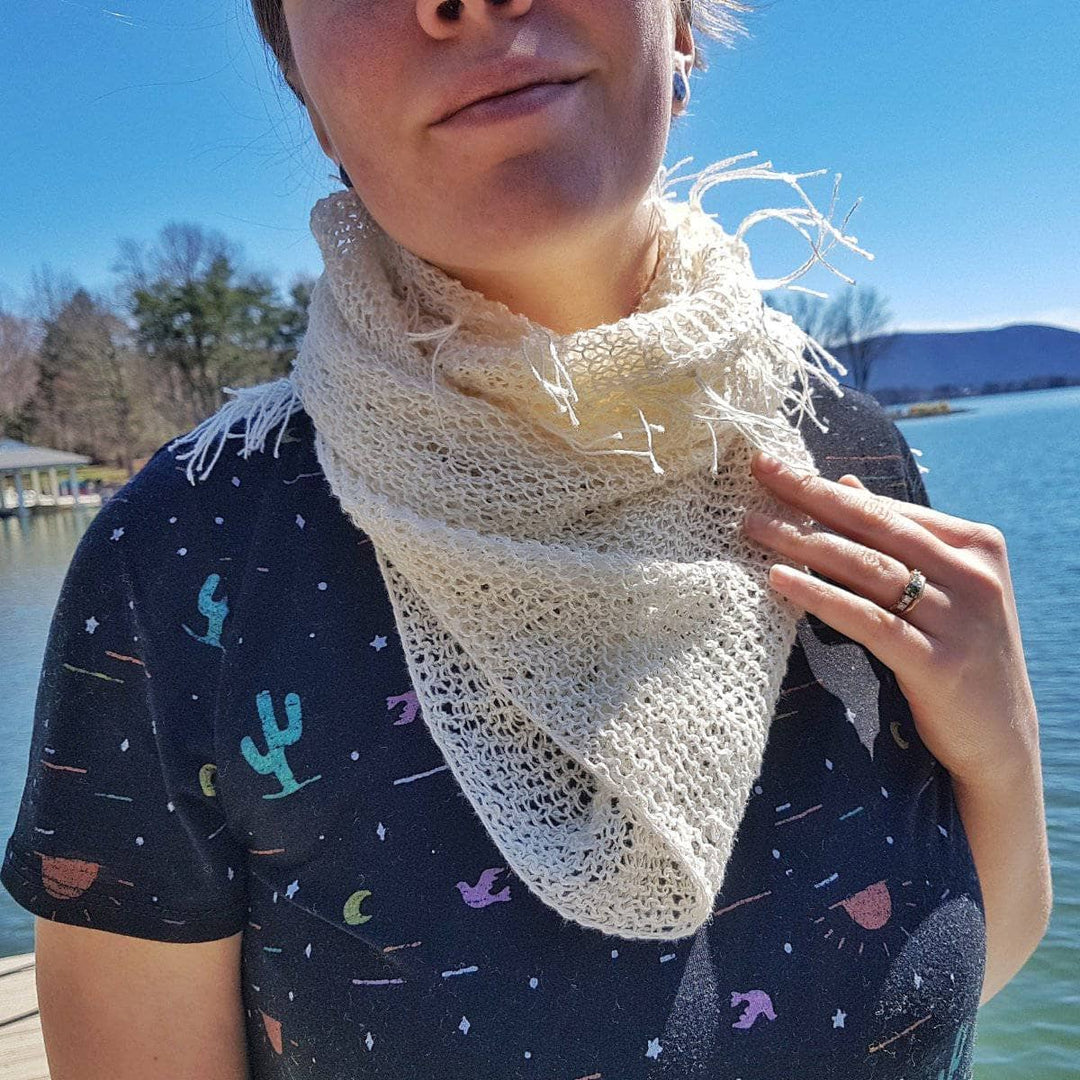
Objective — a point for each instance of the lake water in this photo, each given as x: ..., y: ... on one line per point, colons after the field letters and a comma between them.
x: 1014, y: 461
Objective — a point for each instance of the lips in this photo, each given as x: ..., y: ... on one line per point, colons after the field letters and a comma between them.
x: 537, y: 100
x: 500, y: 78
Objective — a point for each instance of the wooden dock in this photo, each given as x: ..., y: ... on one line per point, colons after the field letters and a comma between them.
x: 22, y: 1051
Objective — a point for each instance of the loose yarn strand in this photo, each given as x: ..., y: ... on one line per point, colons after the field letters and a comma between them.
x: 260, y: 408
x: 595, y: 650
x: 811, y: 361
x: 819, y: 360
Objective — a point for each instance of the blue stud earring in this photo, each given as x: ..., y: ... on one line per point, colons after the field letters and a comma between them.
x: 682, y: 86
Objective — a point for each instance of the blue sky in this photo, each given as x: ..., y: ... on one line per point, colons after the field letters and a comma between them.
x: 957, y: 123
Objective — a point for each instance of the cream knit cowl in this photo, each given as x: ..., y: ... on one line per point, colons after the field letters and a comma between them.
x: 595, y: 646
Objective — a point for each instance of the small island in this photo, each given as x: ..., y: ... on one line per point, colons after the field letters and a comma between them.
x: 924, y: 408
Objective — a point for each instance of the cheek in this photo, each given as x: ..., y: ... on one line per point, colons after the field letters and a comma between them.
x: 643, y: 102
x: 638, y: 41
x: 347, y: 58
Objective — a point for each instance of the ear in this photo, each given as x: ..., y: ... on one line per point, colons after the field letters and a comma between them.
x: 685, y: 49
x: 684, y: 63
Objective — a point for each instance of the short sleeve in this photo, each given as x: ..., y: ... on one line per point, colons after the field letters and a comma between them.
x: 119, y: 827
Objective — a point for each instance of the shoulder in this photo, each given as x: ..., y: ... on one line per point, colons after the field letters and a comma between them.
x: 864, y: 440
x: 168, y: 515
x: 240, y: 469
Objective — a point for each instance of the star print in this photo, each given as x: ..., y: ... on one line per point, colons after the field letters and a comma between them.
x: 381, y: 830
x: 839, y: 1018
x: 654, y: 1050
x: 300, y: 521
x: 117, y: 533
x: 92, y: 624
x: 379, y: 642
x: 292, y: 890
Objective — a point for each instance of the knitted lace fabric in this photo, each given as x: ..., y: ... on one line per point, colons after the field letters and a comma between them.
x: 594, y: 644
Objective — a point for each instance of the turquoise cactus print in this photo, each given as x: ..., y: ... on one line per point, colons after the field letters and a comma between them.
x: 214, y: 611
x: 277, y: 738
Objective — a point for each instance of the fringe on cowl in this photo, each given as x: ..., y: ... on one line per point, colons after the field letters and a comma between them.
x: 593, y: 641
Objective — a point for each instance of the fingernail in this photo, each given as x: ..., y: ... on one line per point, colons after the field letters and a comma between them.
x: 766, y: 463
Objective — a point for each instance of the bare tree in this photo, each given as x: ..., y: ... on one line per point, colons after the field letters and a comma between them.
x: 855, y: 324
x: 50, y: 291
x: 859, y: 327
x: 184, y: 253
x: 92, y: 392
x: 809, y: 312
x: 19, y: 341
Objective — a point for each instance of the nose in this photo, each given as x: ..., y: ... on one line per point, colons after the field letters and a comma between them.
x: 450, y: 18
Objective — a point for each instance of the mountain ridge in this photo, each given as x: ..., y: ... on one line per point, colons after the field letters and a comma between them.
x: 914, y: 364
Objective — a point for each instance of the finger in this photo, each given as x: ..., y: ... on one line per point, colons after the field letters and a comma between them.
x: 897, y: 643
x: 873, y: 574
x: 953, y: 530
x: 861, y: 516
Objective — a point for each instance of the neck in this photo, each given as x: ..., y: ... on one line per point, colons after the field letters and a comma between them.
x: 566, y: 288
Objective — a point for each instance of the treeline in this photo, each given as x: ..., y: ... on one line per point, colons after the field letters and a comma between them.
x: 892, y: 395
x: 114, y: 376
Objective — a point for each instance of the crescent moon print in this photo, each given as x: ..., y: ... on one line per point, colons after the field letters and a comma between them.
x: 277, y: 778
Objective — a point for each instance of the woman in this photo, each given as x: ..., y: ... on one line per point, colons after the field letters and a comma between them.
x: 468, y: 728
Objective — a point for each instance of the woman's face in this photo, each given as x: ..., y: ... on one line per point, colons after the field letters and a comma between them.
x: 376, y: 75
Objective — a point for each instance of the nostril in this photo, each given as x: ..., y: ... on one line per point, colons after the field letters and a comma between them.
x: 449, y: 9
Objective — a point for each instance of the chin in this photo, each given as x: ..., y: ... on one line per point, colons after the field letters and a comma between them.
x: 541, y: 191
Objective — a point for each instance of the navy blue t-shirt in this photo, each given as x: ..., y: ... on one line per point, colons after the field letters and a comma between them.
x: 226, y: 741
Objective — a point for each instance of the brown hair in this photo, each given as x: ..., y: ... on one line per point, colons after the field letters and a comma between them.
x: 718, y: 19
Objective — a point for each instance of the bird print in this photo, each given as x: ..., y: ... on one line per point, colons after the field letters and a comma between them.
x: 758, y: 1003
x: 480, y: 895
x: 849, y: 923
